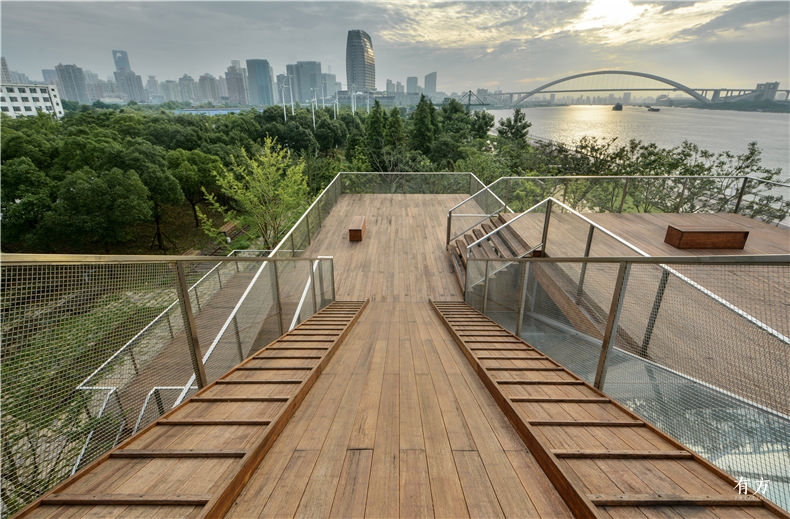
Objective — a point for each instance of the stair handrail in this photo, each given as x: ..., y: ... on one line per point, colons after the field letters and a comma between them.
x: 640, y: 252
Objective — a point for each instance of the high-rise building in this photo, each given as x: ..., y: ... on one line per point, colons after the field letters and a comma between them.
x: 129, y: 83
x: 329, y: 85
x: 50, y: 76
x: 360, y: 62
x: 411, y: 85
x: 291, y: 83
x: 188, y: 88
x: 5, y: 74
x: 121, y: 59
x: 208, y: 88
x: 260, y: 82
x: 169, y: 90
x: 71, y: 83
x: 390, y: 86
x: 236, y: 78
x: 430, y: 83
x: 308, y: 78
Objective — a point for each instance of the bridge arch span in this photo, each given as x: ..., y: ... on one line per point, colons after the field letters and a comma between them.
x: 675, y: 84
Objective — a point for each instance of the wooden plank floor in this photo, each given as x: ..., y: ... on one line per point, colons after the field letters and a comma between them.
x: 399, y: 425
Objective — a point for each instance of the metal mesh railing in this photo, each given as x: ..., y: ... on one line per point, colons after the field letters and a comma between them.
x: 96, y: 348
x: 301, y: 235
x: 763, y: 200
x: 699, y: 346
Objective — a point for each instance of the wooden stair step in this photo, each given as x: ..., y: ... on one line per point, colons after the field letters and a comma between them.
x: 673, y: 500
x: 161, y: 453
x: 126, y: 499
x: 623, y: 454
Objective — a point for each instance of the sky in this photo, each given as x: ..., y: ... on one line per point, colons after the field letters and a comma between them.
x: 512, y: 46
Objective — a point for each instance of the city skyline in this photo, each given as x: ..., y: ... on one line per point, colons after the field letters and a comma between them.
x: 510, y: 46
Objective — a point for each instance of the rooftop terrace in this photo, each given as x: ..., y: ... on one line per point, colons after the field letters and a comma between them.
x: 400, y: 400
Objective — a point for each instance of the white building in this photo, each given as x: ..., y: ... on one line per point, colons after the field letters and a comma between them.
x: 29, y: 99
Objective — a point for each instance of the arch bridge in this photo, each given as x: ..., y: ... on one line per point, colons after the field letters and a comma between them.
x: 763, y: 91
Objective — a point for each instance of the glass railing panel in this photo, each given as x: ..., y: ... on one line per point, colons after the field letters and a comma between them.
x: 502, y: 293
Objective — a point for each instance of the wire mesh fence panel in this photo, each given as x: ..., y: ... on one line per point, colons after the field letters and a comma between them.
x: 711, y: 375
x: 92, y: 351
x: 61, y: 323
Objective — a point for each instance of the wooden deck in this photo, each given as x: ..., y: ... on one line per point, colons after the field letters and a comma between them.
x: 407, y: 420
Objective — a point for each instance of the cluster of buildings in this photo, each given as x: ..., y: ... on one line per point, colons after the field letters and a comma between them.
x: 251, y: 83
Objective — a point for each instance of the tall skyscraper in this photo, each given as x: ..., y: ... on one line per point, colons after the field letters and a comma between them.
x: 188, y: 88
x: 130, y: 84
x: 50, y: 76
x: 308, y: 79
x: 6, y: 72
x: 328, y: 84
x: 208, y: 88
x: 260, y: 82
x: 411, y: 85
x: 71, y: 83
x: 121, y: 59
x: 236, y: 78
x: 430, y: 83
x: 360, y: 62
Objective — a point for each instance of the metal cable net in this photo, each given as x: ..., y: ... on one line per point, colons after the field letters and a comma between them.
x: 714, y: 371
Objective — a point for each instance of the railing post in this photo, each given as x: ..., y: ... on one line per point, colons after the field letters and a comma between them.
x: 587, y: 247
x: 449, y: 225
x: 277, y: 296
x: 740, y: 195
x: 485, y: 288
x: 219, y: 276
x: 238, y: 337
x: 332, y: 274
x: 662, y: 285
x: 293, y: 246
x: 170, y: 326
x: 160, y: 406
x: 134, y: 361
x: 189, y: 327
x: 307, y: 220
x: 565, y: 192
x: 311, y: 267
x: 522, y: 302
x: 612, y: 322
x: 545, y: 236
x: 622, y: 198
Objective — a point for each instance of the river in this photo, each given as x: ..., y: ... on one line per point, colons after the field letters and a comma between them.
x: 713, y: 130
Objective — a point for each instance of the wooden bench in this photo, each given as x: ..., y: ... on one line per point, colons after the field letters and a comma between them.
x: 356, y: 229
x: 706, y: 237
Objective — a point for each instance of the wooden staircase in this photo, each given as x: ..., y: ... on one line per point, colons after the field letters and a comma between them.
x: 505, y: 243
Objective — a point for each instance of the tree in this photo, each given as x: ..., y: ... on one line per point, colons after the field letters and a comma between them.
x: 375, y: 125
x: 267, y: 192
x: 194, y: 172
x: 95, y: 209
x: 515, y: 128
x: 423, y: 127
x: 26, y: 196
x: 149, y: 162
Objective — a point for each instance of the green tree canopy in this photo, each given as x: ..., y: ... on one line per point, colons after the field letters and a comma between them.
x: 267, y: 192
